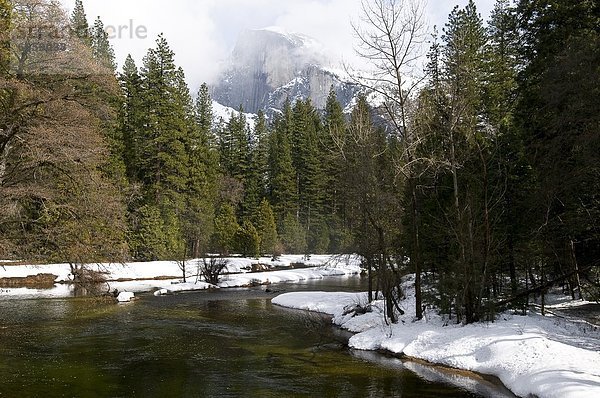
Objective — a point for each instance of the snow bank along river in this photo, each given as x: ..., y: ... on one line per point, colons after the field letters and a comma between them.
x: 531, y: 355
x: 149, y: 276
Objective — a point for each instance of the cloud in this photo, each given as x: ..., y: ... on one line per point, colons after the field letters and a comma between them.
x: 203, y: 32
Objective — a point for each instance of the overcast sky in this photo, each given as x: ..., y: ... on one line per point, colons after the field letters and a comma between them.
x: 203, y: 32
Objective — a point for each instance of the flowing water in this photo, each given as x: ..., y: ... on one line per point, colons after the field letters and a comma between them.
x: 228, y: 343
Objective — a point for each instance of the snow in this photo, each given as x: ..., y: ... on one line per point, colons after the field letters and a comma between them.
x: 222, y: 112
x: 125, y: 297
x: 531, y: 355
x: 297, y: 39
x: 158, y: 275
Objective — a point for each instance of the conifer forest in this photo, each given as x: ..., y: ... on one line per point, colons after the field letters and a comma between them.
x: 475, y: 167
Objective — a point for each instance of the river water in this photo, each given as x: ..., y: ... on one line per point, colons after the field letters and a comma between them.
x: 227, y: 343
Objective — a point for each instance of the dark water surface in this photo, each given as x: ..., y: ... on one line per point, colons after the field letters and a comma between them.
x: 229, y: 343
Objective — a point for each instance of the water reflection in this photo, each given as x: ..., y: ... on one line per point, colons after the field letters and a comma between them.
x: 230, y: 343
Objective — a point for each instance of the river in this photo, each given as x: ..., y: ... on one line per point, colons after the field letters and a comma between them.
x: 224, y: 343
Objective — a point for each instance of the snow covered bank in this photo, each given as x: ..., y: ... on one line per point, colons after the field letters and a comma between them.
x: 143, y: 277
x: 531, y: 354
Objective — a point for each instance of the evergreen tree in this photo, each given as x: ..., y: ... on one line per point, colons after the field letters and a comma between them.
x: 266, y: 227
x: 131, y: 118
x: 204, y: 114
x: 557, y: 115
x: 260, y: 156
x: 147, y: 240
x: 282, y: 181
x: 470, y: 160
x: 101, y: 48
x: 501, y: 65
x: 334, y: 126
x: 334, y: 140
x: 203, y: 175
x: 293, y: 235
x: 163, y: 164
x: 234, y: 143
x: 226, y: 226
x: 247, y: 240
x: 79, y: 26
x: 310, y: 179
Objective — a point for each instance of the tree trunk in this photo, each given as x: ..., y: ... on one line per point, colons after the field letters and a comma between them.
x: 576, y: 270
x: 416, y: 254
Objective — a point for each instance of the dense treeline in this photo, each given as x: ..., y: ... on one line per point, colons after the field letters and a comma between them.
x: 481, y: 176
x: 498, y: 153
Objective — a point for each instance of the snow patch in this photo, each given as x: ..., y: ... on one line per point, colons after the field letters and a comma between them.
x: 125, y: 297
x: 531, y: 355
x: 157, y: 275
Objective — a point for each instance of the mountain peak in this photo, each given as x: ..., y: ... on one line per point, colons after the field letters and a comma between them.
x: 271, y: 64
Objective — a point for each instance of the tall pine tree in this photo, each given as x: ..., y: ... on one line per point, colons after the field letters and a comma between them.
x: 79, y: 26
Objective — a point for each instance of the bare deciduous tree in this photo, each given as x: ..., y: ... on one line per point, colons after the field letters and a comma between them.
x: 55, y: 202
x: 391, y: 36
x: 211, y: 268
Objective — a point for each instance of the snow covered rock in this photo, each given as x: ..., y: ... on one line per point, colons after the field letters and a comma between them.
x: 163, y: 292
x: 270, y: 65
x: 125, y: 297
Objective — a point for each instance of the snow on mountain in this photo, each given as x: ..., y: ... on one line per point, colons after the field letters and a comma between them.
x: 269, y: 65
x: 222, y: 114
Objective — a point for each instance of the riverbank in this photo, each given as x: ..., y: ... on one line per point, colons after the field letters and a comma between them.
x: 532, y: 355
x: 159, y: 275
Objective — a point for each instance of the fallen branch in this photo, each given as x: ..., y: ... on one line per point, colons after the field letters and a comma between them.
x: 541, y: 288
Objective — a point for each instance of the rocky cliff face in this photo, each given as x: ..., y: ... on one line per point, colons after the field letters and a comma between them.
x: 268, y: 65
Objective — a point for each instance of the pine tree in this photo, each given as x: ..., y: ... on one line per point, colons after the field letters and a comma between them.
x: 310, y: 179
x: 472, y: 183
x: 79, y: 26
x: 293, y: 235
x: 463, y: 53
x: 226, y: 226
x: 266, y: 227
x: 282, y: 176
x: 204, y: 115
x: 101, y: 48
x: 501, y: 64
x: 147, y: 240
x: 334, y: 125
x: 557, y: 114
x: 163, y: 164
x: 333, y: 142
x: 260, y: 156
x: 247, y: 240
x: 131, y: 118
x: 203, y: 175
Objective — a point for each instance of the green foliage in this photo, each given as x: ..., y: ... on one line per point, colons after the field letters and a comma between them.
x: 266, y: 227
x: 226, y: 226
x: 101, y: 48
x: 147, y: 239
x: 131, y: 119
x: 558, y: 119
x: 247, y: 240
x: 310, y: 178
x: 79, y: 26
x: 319, y: 238
x: 293, y: 235
x: 283, y: 191
x: 203, y: 114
